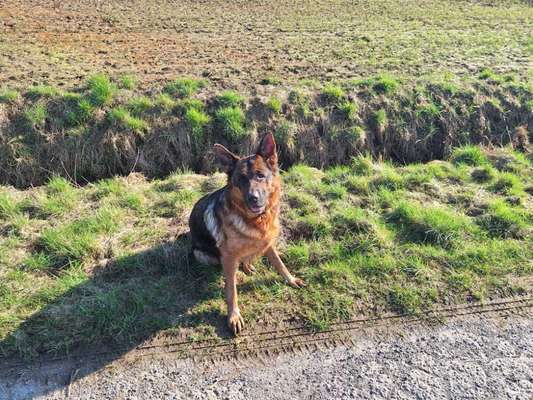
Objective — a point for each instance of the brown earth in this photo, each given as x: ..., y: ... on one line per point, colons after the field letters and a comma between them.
x: 239, y: 43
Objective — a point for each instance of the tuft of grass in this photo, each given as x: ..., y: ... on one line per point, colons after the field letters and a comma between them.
x: 119, y: 116
x: 71, y: 243
x: 9, y: 208
x: 140, y: 105
x: 502, y: 220
x: 229, y: 98
x: 230, y: 121
x: 274, y: 105
x: 508, y: 184
x: 197, y: 120
x: 82, y: 112
x: 349, y: 110
x: 380, y: 118
x: 270, y: 80
x: 60, y: 197
x: 489, y: 75
x: 333, y: 93
x: 36, y: 115
x: 164, y: 102
x: 385, y: 84
x: 44, y: 91
x: 184, y: 87
x: 101, y: 90
x: 435, y: 225
x: 9, y: 96
x: 469, y: 155
x: 427, y: 110
x: 128, y: 82
x: 404, y: 299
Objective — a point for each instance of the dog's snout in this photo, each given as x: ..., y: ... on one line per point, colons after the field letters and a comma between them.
x: 252, y: 198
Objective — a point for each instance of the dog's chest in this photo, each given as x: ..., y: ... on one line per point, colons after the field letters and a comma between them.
x: 247, y: 239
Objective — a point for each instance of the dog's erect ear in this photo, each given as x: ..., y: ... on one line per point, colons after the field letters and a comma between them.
x: 226, y: 157
x: 267, y: 149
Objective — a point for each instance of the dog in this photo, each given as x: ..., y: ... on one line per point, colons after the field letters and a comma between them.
x: 240, y: 222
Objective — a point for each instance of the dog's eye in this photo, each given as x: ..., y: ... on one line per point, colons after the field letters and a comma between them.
x: 259, y: 175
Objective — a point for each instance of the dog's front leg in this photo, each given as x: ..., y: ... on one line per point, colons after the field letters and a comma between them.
x: 274, y: 259
x: 235, y: 321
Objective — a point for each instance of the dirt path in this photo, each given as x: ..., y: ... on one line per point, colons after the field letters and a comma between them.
x: 476, y: 356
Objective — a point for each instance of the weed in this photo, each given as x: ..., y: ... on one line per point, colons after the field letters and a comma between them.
x: 509, y: 184
x: 270, y: 80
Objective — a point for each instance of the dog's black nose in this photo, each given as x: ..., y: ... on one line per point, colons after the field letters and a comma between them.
x: 253, y: 199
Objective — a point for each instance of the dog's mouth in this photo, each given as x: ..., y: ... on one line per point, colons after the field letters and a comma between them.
x: 256, y: 208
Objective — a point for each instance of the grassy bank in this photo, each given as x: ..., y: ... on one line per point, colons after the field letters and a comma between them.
x: 106, y: 264
x: 108, y: 126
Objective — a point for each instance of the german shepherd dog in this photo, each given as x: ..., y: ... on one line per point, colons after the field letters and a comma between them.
x: 240, y: 222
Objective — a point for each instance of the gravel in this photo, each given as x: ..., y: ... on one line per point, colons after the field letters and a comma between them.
x: 477, y: 357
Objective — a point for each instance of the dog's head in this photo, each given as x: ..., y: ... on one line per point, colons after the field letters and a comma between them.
x: 252, y: 180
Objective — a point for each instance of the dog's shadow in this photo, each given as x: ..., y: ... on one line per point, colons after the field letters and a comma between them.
x: 125, y: 303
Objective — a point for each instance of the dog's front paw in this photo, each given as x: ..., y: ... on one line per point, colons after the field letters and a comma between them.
x: 235, y: 322
x: 296, y: 282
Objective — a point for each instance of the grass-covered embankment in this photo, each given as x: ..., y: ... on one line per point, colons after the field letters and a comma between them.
x: 107, y: 127
x: 100, y: 264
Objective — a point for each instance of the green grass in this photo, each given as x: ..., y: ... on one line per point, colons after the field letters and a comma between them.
x: 44, y: 91
x: 274, y: 105
x: 197, y: 120
x: 349, y: 110
x: 36, y: 115
x: 184, y: 87
x: 164, y: 102
x: 381, y: 84
x: 469, y: 155
x: 140, y: 105
x: 101, y: 90
x: 230, y: 121
x: 9, y: 95
x: 229, y: 98
x: 119, y: 116
x: 100, y: 263
x: 128, y: 82
x: 333, y: 93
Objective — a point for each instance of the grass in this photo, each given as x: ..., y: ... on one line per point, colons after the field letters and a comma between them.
x: 121, y: 117
x: 36, y: 115
x: 274, y: 105
x: 9, y: 95
x: 469, y: 155
x: 230, y: 121
x: 101, y: 90
x: 370, y: 237
x: 229, y: 98
x: 184, y: 87
x: 197, y: 120
x: 332, y: 93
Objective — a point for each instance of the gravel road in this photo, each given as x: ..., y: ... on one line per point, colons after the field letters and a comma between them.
x: 477, y: 357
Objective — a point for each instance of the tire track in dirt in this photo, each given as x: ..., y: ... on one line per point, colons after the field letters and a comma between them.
x: 296, y: 338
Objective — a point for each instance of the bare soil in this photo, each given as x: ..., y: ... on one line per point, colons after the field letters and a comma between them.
x: 240, y: 43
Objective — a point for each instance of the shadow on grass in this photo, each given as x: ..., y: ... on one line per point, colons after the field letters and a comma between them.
x: 123, y: 304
